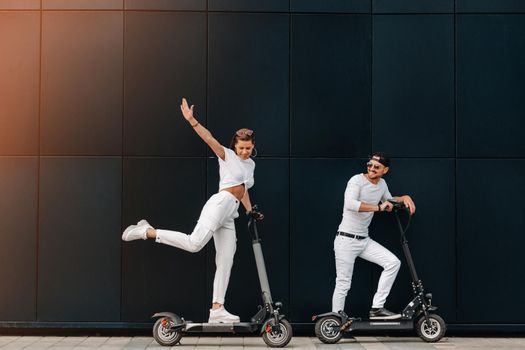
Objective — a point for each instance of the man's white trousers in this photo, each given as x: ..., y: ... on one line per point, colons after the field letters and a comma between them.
x: 346, y: 251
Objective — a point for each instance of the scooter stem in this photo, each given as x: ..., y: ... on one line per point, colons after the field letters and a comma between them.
x: 261, y: 267
x: 261, y: 270
x: 406, y: 250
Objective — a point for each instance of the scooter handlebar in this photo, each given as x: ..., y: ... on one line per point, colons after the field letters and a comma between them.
x: 399, y: 206
x: 255, y: 214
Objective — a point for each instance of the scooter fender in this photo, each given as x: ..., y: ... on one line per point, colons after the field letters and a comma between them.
x: 336, y: 314
x: 176, y: 318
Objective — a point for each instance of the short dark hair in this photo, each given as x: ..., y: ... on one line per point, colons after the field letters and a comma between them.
x: 382, y: 158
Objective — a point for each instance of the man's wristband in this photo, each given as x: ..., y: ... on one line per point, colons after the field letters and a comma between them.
x: 194, y: 125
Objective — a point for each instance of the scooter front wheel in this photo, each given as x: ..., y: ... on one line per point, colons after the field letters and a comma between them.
x: 163, y: 334
x: 433, y: 332
x: 280, y: 338
x: 327, y: 329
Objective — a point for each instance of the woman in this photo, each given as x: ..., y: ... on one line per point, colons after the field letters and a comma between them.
x: 216, y: 219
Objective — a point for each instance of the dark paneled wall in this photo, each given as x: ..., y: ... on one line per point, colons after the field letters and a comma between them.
x: 92, y: 140
x: 79, y: 206
x: 330, y: 85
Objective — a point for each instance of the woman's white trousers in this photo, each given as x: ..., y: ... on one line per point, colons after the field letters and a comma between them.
x: 216, y: 220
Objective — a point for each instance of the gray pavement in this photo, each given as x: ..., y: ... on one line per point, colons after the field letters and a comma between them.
x: 252, y: 343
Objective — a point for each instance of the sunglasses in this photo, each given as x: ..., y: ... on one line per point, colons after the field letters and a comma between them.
x: 244, y: 132
x: 372, y: 165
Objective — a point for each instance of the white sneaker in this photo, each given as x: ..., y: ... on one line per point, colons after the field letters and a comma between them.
x: 138, y: 231
x: 220, y: 315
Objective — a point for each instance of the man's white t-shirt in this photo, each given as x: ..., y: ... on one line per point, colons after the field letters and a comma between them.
x: 360, y: 189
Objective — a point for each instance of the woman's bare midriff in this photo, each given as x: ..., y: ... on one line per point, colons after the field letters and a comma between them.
x: 237, y: 191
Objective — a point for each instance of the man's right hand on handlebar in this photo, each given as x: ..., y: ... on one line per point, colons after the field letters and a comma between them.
x: 386, y: 206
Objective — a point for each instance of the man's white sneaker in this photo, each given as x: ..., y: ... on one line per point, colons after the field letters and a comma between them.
x: 138, y: 231
x: 220, y: 315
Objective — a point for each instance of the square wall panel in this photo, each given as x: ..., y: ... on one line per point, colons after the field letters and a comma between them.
x: 20, y: 48
x: 431, y: 235
x: 158, y: 73
x: 195, y: 5
x: 18, y: 213
x: 335, y: 6
x: 249, y: 5
x: 490, y: 6
x: 170, y: 194
x: 413, y: 85
x: 330, y: 107
x: 82, y: 64
x: 271, y: 194
x: 82, y: 4
x: 490, y: 94
x: 19, y: 5
x: 248, y: 78
x: 79, y: 239
x: 316, y: 205
x: 490, y: 241
x: 413, y: 6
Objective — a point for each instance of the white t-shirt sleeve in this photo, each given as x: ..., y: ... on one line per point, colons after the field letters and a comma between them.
x: 228, y: 153
x: 386, y: 196
x: 352, y: 194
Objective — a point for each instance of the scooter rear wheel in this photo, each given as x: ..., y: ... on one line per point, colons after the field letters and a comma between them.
x: 277, y: 339
x: 163, y: 335
x: 432, y: 333
x: 324, y: 329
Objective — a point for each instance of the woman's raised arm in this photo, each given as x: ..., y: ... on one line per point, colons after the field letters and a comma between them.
x: 204, y: 133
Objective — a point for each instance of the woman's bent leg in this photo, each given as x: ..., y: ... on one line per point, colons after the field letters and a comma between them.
x: 191, y: 243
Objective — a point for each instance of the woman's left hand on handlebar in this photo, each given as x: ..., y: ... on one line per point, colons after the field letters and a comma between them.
x: 257, y: 215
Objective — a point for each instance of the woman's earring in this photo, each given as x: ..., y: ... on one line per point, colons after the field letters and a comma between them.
x: 254, y: 153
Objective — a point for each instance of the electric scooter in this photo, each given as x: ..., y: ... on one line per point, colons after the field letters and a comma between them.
x: 418, y: 314
x: 276, y: 331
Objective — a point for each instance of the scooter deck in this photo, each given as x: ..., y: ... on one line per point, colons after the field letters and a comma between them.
x: 238, y: 327
x: 366, y: 324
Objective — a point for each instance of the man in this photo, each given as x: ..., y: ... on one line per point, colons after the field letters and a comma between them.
x: 363, y: 195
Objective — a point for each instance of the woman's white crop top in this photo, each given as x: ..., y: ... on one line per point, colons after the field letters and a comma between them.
x: 235, y: 171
